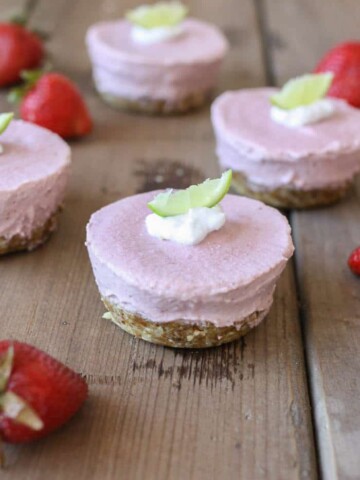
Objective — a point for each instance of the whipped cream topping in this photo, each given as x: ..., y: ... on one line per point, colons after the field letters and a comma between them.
x: 147, y: 36
x: 304, y: 115
x: 188, y: 229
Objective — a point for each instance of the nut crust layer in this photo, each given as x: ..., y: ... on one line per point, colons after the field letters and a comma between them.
x: 179, y: 334
x: 37, y: 237
x: 157, y: 106
x: 288, y: 197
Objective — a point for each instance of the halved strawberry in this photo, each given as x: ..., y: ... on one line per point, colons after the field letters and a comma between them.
x: 38, y: 394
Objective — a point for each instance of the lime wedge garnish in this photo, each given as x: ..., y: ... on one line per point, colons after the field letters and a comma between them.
x: 207, y: 194
x: 161, y: 14
x: 302, y: 91
x: 5, y: 119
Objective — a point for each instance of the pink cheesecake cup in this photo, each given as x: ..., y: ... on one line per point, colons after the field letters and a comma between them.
x: 173, y: 75
x: 300, y: 167
x: 34, y: 170
x: 188, y: 296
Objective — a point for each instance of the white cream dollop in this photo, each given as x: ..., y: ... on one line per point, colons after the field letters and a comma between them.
x: 188, y: 229
x: 148, y: 36
x: 304, y: 115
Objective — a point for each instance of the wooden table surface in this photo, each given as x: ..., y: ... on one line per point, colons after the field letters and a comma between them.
x: 282, y: 403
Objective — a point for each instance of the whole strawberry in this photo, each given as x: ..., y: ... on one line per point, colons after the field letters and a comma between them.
x: 20, y: 50
x: 344, y: 62
x: 53, y: 101
x: 354, y: 261
x: 38, y: 394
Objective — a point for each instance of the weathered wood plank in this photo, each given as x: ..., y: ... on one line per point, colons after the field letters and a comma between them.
x: 324, y: 238
x: 299, y: 32
x: 238, y: 411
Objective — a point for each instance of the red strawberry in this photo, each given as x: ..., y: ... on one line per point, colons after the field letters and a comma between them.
x: 354, y: 261
x: 20, y: 50
x: 38, y: 394
x: 344, y: 62
x: 54, y: 102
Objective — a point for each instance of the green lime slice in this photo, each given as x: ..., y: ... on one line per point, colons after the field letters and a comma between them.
x: 207, y: 194
x: 302, y: 91
x: 5, y: 119
x: 161, y: 14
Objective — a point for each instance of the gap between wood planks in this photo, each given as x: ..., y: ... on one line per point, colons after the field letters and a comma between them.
x: 265, y: 40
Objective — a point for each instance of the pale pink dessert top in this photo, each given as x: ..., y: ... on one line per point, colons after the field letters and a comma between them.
x: 254, y: 244
x: 243, y: 118
x: 199, y: 42
x: 30, y: 153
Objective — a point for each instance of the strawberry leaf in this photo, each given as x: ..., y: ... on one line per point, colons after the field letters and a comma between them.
x: 30, y: 78
x: 19, y: 19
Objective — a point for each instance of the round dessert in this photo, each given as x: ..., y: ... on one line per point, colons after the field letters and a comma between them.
x: 34, y: 169
x: 286, y: 163
x: 188, y: 295
x: 163, y: 70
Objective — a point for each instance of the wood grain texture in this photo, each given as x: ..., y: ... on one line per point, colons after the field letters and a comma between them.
x: 299, y: 32
x: 239, y: 411
x: 9, y: 9
x: 324, y: 238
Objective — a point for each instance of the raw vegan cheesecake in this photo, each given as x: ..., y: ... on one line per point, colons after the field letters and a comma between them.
x: 290, y: 148
x: 34, y: 168
x: 156, y: 60
x: 194, y: 273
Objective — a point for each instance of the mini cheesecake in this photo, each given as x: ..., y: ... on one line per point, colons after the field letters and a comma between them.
x: 188, y: 296
x: 173, y: 75
x: 34, y: 170
x: 306, y: 166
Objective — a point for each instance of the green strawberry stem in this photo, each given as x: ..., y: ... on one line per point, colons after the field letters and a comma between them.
x: 30, y: 78
x: 20, y: 19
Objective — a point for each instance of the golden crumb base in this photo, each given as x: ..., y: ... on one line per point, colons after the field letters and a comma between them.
x: 158, y: 107
x: 288, y: 197
x: 37, y: 237
x: 179, y: 334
